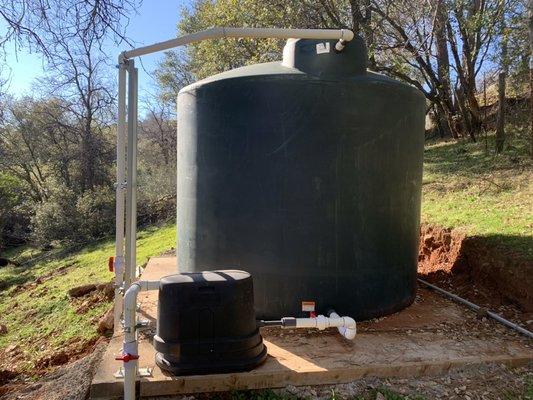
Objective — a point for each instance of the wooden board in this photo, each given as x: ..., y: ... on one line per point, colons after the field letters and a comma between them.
x: 432, y: 336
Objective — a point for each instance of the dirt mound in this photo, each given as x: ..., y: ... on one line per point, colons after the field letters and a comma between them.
x: 83, y: 298
x: 477, y: 269
x: 440, y: 250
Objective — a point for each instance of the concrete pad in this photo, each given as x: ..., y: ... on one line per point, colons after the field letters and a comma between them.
x: 432, y: 336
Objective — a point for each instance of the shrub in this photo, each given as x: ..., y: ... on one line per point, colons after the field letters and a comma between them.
x: 56, y: 218
x: 70, y: 218
x: 15, y: 211
x: 96, y: 210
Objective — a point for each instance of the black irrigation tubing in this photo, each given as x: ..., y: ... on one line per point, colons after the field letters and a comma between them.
x: 475, y: 307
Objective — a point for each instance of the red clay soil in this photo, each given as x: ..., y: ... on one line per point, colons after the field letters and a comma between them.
x: 473, y: 268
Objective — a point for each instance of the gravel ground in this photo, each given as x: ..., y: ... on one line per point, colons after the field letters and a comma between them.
x: 487, y: 382
x: 480, y: 382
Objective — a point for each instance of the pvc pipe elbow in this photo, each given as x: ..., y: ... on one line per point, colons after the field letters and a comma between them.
x: 130, y: 297
x: 347, y: 34
x: 349, y: 330
x: 348, y: 327
x: 130, y: 304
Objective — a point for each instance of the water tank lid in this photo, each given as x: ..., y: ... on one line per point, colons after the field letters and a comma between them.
x: 204, y: 277
x: 320, y: 58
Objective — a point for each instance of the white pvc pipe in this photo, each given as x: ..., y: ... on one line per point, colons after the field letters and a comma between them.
x: 118, y: 264
x: 133, y: 270
x: 125, y: 59
x: 131, y: 205
x: 225, y: 32
x: 348, y: 329
x: 130, y: 344
x: 346, y: 325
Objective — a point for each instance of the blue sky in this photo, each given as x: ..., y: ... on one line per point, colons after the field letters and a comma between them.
x: 155, y: 21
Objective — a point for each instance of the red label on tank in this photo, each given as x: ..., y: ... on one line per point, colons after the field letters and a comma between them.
x: 308, y: 306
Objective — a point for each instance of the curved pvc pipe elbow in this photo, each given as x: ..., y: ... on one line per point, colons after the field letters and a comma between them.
x: 347, y: 34
x: 348, y: 328
x: 130, y: 305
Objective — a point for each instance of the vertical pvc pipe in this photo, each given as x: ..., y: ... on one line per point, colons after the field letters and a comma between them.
x: 130, y: 261
x: 134, y: 176
x: 119, y: 209
x: 130, y: 371
x: 130, y: 347
x: 130, y: 344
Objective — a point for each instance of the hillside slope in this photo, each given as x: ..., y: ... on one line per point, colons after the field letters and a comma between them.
x: 44, y: 325
x: 465, y: 186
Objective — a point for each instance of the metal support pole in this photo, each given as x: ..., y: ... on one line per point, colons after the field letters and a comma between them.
x: 134, y: 175
x: 131, y: 192
x: 120, y: 192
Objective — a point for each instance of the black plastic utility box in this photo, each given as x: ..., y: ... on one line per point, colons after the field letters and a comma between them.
x: 206, y: 323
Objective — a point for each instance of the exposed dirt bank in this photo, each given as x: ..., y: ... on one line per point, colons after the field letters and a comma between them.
x: 69, y: 382
x: 475, y: 268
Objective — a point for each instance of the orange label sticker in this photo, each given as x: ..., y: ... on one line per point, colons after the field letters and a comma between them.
x: 308, y: 306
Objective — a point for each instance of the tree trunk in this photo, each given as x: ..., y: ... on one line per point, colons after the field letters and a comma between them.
x: 443, y: 71
x: 361, y: 19
x: 473, y: 111
x: 530, y: 6
x: 504, y: 65
x: 500, y: 122
x: 464, y: 123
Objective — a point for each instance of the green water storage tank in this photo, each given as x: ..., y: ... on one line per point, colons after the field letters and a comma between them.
x: 307, y: 174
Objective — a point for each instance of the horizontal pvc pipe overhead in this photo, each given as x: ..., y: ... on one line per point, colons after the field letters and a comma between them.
x: 223, y: 32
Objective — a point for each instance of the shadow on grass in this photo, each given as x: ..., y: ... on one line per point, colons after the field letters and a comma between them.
x: 19, y: 275
x: 520, y: 248
x: 29, y: 266
x: 463, y: 158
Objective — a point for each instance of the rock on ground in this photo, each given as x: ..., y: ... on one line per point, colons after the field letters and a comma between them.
x: 79, y: 291
x: 106, y: 322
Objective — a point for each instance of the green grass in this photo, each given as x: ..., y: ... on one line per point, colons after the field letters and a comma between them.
x: 527, y: 393
x: 41, y: 318
x: 485, y: 194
